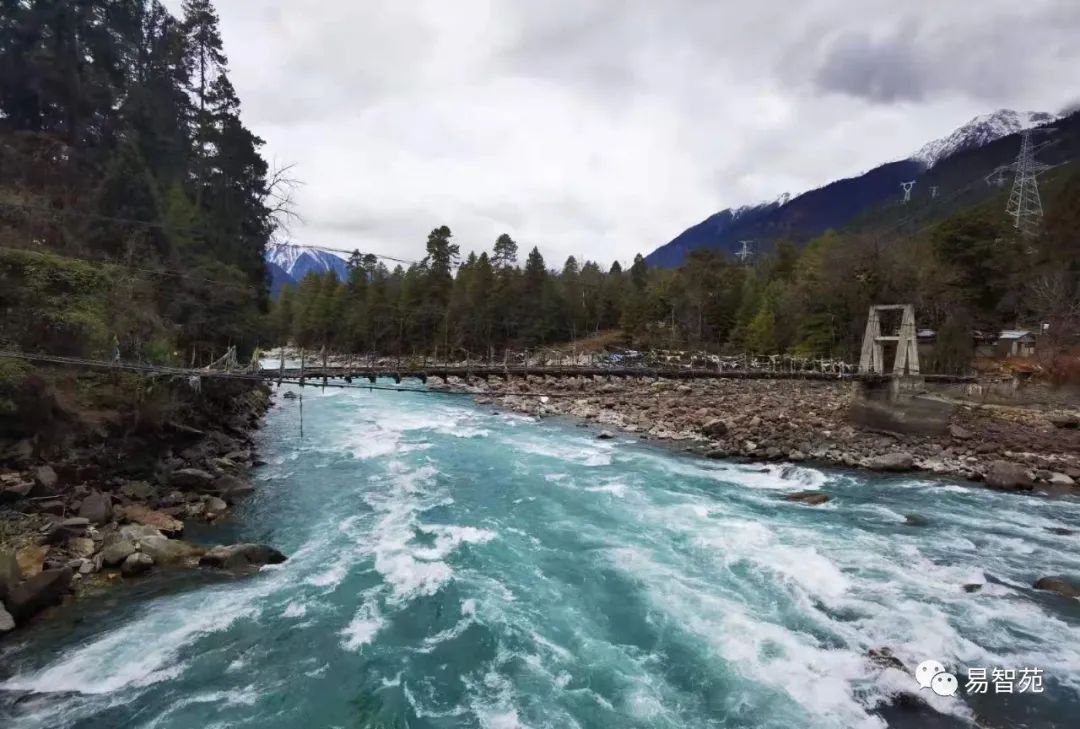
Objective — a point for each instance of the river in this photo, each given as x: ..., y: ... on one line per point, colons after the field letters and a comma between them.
x: 451, y: 566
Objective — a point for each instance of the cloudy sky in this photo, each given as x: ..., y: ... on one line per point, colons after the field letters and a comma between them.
x: 601, y: 128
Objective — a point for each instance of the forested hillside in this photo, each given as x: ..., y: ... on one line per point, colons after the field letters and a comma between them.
x: 134, y: 206
x: 971, y: 270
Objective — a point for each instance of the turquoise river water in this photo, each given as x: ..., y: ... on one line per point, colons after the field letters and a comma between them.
x: 451, y: 566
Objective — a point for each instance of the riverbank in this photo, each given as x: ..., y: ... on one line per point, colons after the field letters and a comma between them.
x: 101, y: 506
x: 796, y: 420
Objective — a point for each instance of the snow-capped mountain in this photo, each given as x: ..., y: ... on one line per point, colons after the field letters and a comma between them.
x: 298, y: 261
x: 979, y: 131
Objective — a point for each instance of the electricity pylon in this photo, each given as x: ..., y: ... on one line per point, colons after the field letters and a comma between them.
x: 1025, y: 204
x: 907, y: 190
x: 746, y: 253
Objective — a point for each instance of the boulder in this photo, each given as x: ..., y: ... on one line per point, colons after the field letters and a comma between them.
x: 1068, y: 421
x: 1060, y: 531
x: 810, y: 498
x: 137, y: 563
x: 899, y: 461
x: 45, y: 476
x: 38, y: 592
x: 215, y: 506
x: 169, y: 551
x: 715, y: 429
x: 916, y: 520
x: 191, y: 479
x: 31, y: 559
x: 10, y: 574
x: 1060, y: 585
x: 1008, y: 475
x: 604, y: 435
x: 81, y: 547
x: 164, y: 523
x: 138, y: 490
x: 137, y: 532
x: 239, y: 456
x: 1061, y: 479
x: 7, y: 622
x: 232, y: 489
x: 973, y: 587
x: 237, y: 556
x: 96, y: 508
x: 117, y: 552
x: 960, y: 432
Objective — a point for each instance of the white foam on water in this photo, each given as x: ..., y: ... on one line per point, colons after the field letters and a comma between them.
x: 363, y: 628
x: 615, y: 489
x: 294, y: 610
x: 468, y: 607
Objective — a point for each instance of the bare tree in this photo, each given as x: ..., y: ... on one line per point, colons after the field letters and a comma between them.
x: 280, y: 198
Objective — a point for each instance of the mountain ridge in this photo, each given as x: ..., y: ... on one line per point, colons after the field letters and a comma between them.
x: 839, y: 202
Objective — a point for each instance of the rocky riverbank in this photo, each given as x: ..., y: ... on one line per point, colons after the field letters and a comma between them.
x: 797, y: 420
x: 114, y: 506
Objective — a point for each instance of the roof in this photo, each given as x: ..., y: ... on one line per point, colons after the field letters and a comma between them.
x: 1014, y: 334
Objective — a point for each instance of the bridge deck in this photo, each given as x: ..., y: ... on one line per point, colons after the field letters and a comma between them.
x: 520, y: 371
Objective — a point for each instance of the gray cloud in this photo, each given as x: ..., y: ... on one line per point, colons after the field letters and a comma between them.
x: 601, y: 128
x: 879, y: 69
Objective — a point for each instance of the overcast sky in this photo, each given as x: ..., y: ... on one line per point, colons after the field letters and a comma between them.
x: 602, y: 128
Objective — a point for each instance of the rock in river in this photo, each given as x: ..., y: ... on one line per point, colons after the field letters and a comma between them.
x: 1060, y: 585
x: 1008, y: 475
x: 810, y: 498
x: 117, y: 552
x: 136, y: 563
x: 38, y: 593
x: 169, y: 551
x: 241, y: 555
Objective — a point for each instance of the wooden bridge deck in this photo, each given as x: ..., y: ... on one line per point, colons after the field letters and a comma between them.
x: 485, y: 372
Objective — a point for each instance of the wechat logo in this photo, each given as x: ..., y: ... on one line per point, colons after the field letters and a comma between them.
x: 932, y: 675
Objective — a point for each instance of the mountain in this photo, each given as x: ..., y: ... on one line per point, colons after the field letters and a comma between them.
x: 797, y: 219
x: 279, y: 279
x: 842, y: 202
x: 981, y: 131
x: 287, y: 264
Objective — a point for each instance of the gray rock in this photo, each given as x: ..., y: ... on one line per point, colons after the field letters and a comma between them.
x: 138, y: 532
x: 136, y: 563
x: 192, y: 479
x: 1060, y: 585
x: 169, y: 551
x: 1060, y: 479
x: 7, y: 622
x: 604, y: 435
x: 46, y: 477
x: 810, y: 498
x: 76, y: 522
x: 715, y: 429
x: 138, y: 490
x: 37, y: 593
x: 916, y: 521
x: 117, y: 552
x: 241, y: 555
x: 215, y: 506
x: 891, y: 462
x: 81, y: 547
x: 960, y: 433
x: 1070, y: 422
x: 1008, y: 475
x: 232, y: 489
x: 96, y: 508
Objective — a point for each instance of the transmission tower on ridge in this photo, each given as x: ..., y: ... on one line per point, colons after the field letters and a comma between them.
x: 746, y: 253
x: 1025, y: 205
x: 907, y: 190
x: 933, y: 191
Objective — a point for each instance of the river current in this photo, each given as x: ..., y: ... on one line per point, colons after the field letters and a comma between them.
x: 452, y: 566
